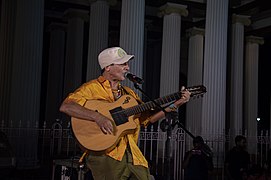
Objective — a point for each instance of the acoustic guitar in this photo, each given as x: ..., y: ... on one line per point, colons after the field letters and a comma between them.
x: 121, y: 112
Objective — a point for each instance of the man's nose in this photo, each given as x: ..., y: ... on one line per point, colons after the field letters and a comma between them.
x: 127, y: 67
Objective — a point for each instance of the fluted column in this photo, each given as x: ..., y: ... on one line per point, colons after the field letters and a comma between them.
x: 74, y: 49
x: 214, y: 71
x: 7, y: 31
x: 26, y: 79
x: 194, y: 77
x: 170, y: 60
x: 132, y: 33
x: 236, y: 86
x: 55, y: 78
x: 98, y: 35
x: 251, y: 90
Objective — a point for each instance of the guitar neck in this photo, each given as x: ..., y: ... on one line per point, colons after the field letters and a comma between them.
x: 150, y: 105
x: 194, y: 90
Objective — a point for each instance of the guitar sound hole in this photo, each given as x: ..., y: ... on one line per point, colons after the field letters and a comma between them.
x: 118, y: 116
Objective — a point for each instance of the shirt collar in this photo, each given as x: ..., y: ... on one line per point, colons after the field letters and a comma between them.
x: 101, y: 79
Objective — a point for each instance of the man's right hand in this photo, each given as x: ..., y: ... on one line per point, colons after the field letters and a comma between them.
x: 105, y: 124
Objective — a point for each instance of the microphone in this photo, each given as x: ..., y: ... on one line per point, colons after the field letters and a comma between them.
x: 133, y: 78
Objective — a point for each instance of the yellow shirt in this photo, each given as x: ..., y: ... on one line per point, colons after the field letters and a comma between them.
x: 99, y: 89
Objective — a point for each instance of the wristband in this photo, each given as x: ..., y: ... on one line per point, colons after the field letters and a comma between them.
x: 173, y: 107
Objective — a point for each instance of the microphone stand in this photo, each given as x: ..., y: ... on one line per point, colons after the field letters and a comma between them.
x: 168, y: 127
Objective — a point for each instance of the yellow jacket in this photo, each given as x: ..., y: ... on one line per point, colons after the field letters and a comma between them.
x: 99, y: 89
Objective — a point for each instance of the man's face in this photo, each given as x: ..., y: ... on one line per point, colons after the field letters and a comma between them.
x: 117, y: 71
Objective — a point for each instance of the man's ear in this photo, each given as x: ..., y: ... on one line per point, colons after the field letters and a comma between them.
x: 107, y: 68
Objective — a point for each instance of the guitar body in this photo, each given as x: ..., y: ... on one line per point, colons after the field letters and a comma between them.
x: 88, y: 133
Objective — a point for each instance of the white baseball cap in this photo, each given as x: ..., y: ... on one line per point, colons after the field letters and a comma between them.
x: 113, y: 55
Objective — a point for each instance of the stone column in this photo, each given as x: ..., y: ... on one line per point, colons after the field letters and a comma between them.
x: 132, y: 34
x: 55, y: 77
x: 74, y: 49
x: 194, y: 77
x: 214, y: 77
x: 170, y: 60
x: 251, y: 90
x: 214, y: 69
x: 26, y: 79
x: 236, y: 86
x: 7, y: 32
x: 98, y: 35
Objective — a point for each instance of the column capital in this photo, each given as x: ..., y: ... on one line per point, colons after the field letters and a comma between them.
x: 195, y: 31
x: 245, y: 20
x: 170, y: 8
x: 255, y: 39
x: 70, y: 13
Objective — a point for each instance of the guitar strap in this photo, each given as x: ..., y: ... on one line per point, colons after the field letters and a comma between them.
x: 82, y: 158
x: 125, y: 91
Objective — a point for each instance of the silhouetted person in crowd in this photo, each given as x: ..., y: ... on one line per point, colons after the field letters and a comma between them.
x: 198, y: 162
x: 237, y: 160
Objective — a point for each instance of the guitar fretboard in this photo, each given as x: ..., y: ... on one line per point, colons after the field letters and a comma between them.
x: 194, y: 90
x: 150, y: 105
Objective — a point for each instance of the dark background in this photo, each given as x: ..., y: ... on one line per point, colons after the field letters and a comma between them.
x: 256, y: 9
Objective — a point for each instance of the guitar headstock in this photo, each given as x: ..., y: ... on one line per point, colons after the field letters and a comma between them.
x: 197, y: 90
